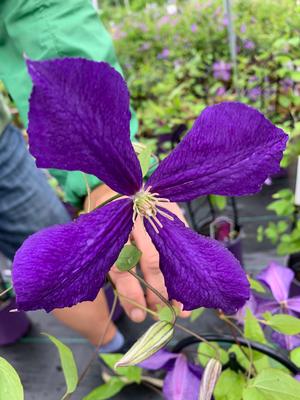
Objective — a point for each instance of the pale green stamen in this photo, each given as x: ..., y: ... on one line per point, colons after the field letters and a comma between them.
x: 145, y: 204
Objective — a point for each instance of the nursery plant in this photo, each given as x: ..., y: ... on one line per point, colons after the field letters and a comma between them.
x: 177, y: 61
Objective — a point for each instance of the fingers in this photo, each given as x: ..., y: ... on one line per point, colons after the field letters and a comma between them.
x: 150, y: 263
x: 150, y: 266
x: 130, y: 293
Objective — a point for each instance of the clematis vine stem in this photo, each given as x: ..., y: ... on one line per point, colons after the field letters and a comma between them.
x: 159, y: 295
x: 6, y: 291
x: 176, y: 324
x: 117, y: 196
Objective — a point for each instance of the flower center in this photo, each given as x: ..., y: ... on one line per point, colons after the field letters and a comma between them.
x: 147, y: 205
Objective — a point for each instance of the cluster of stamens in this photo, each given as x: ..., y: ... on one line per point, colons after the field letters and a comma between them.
x: 147, y: 205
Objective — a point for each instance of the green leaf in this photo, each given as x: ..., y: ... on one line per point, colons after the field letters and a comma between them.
x: 68, y: 364
x: 272, y: 384
x: 284, y: 101
x: 145, y: 159
x: 281, y: 207
x: 206, y: 352
x: 107, y: 390
x: 283, y: 194
x: 256, y: 285
x: 284, y: 323
x: 230, y: 386
x: 165, y: 313
x: 295, y: 356
x: 252, y: 328
x: 132, y: 373
x: 128, y: 258
x: 218, y: 201
x: 259, y: 237
x: 260, y: 362
x: 295, y: 76
x: 10, y: 383
x: 197, y: 313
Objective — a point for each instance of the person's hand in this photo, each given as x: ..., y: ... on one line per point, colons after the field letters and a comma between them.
x: 126, y: 284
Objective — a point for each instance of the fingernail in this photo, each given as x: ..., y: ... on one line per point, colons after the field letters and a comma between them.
x: 137, y: 315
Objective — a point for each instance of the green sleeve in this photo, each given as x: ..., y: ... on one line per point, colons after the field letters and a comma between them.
x: 43, y: 29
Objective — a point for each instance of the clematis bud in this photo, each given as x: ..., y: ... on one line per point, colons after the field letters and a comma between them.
x: 209, y: 379
x: 156, y: 337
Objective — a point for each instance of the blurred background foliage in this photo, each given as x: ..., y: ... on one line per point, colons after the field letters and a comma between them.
x: 176, y: 58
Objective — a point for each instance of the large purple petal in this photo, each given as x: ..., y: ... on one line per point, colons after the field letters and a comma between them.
x: 79, y: 120
x: 181, y: 383
x: 294, y: 304
x: 231, y: 150
x: 66, y: 264
x: 278, y: 279
x: 161, y: 359
x: 198, y: 271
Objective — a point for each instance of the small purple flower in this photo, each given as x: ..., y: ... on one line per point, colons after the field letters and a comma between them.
x: 79, y: 120
x: 243, y: 28
x: 249, y: 44
x: 182, y: 380
x: 194, y: 28
x: 221, y: 91
x: 164, y: 54
x: 222, y: 70
x: 145, y: 46
x: 254, y: 93
x: 287, y: 84
x: 164, y: 20
x: 278, y: 279
x: 225, y: 21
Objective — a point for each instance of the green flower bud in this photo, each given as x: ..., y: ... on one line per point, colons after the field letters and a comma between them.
x: 209, y: 379
x: 156, y: 337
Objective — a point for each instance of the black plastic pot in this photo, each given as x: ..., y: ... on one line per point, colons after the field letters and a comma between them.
x: 233, y: 362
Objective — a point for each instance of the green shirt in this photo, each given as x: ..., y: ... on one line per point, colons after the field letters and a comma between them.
x: 45, y: 29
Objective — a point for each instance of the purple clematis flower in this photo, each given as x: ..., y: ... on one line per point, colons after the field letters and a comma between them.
x: 182, y: 380
x: 222, y: 70
x: 278, y: 279
x: 249, y: 44
x: 79, y: 120
x: 164, y: 54
x: 288, y: 342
